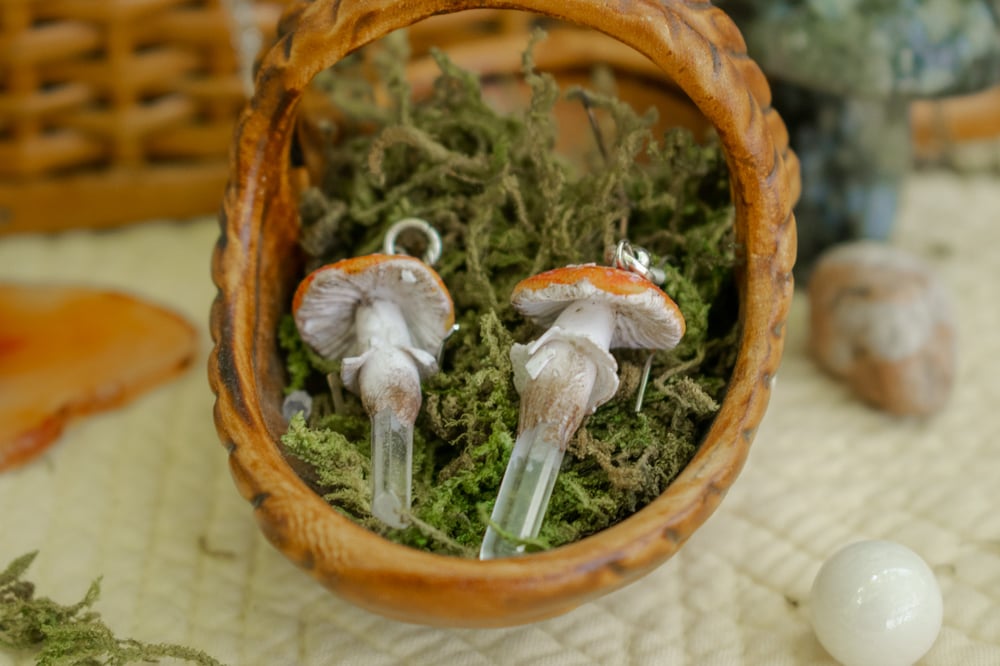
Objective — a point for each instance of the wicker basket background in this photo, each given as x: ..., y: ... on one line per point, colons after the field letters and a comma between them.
x: 113, y: 111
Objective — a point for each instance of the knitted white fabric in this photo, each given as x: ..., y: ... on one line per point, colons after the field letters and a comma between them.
x: 143, y: 496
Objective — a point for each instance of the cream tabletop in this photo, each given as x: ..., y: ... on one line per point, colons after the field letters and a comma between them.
x: 142, y: 495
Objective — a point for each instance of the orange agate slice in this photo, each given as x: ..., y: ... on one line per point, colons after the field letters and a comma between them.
x: 69, y: 351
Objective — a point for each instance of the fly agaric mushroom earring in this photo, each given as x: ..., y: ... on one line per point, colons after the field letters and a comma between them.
x: 386, y: 316
x: 568, y: 372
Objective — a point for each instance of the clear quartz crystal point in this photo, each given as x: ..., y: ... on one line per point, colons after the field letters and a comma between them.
x: 392, y: 467
x: 525, y: 490
x: 295, y: 402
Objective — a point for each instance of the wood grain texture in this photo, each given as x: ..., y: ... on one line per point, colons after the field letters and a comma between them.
x: 940, y: 124
x: 254, y: 268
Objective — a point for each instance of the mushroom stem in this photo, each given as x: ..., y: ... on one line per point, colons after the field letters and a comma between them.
x: 590, y: 318
x: 390, y: 392
x: 389, y: 384
x: 381, y: 320
x: 389, y: 380
x: 554, y: 403
x: 559, y: 388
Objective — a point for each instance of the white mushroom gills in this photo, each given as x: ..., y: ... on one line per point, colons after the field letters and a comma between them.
x: 553, y: 405
x: 563, y: 376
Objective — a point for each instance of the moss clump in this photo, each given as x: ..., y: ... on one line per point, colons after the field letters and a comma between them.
x: 508, y: 207
x: 71, y: 635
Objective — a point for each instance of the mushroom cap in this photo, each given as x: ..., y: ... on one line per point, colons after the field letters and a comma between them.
x: 645, y: 317
x: 325, y: 301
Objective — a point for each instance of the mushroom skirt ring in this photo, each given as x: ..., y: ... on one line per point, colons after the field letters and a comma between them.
x: 433, y: 251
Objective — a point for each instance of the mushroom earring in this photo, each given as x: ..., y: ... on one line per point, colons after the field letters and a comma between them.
x: 386, y: 317
x: 568, y: 372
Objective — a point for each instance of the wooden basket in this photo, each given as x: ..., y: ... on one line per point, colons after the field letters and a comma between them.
x: 692, y: 44
x: 941, y: 125
x: 113, y: 111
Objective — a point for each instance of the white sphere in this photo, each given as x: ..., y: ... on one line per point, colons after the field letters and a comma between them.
x: 876, y: 603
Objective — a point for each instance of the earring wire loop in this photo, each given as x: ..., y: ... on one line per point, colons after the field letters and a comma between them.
x: 433, y: 251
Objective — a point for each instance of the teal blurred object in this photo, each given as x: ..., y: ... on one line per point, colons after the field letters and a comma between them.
x: 843, y: 73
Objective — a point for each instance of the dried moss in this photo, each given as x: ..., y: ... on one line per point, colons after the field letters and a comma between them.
x: 73, y: 635
x: 508, y: 207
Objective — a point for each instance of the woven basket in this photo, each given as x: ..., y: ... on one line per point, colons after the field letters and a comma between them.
x: 113, y: 111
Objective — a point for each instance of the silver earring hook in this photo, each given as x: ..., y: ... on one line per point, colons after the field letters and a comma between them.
x: 644, y: 382
x: 636, y: 260
x: 433, y: 251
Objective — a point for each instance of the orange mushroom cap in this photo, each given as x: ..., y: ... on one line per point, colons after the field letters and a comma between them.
x: 645, y: 316
x: 325, y: 301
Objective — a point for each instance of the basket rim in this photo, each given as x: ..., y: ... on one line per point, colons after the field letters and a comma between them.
x: 414, y: 585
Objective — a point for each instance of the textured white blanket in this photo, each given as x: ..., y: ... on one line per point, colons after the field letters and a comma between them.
x: 143, y: 496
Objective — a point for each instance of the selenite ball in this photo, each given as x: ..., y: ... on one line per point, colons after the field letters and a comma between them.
x: 876, y: 603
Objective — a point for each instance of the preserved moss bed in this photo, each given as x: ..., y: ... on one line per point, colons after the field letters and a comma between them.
x: 507, y: 206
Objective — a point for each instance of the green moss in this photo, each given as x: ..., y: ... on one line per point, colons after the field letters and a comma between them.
x: 507, y: 207
x: 73, y: 635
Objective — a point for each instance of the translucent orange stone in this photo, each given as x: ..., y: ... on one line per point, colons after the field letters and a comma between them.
x: 70, y: 351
